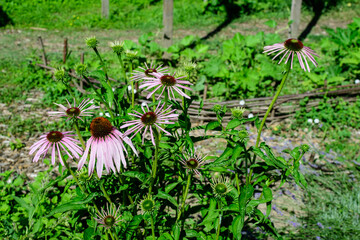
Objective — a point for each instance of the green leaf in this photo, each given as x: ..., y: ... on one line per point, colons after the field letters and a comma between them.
x: 24, y: 204
x: 72, y: 205
x: 211, y: 216
x: 166, y: 196
x: 165, y: 236
x: 271, y: 155
x: 176, y: 230
x: 88, y: 233
x: 133, y: 226
x: 246, y: 193
x: 237, y: 226
x: 171, y: 186
x: 233, y: 124
x: 211, y: 126
x: 135, y: 174
x: 236, y: 152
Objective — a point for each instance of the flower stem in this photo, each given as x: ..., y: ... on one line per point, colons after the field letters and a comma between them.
x: 103, y: 65
x: 132, y: 89
x: 69, y: 89
x: 122, y: 67
x: 152, y: 227
x: 220, y: 218
x: 76, y: 125
x: 122, y: 183
x: 73, y: 175
x: 185, y: 193
x: 112, y: 236
x: 100, y: 97
x: 154, y: 166
x: 237, y: 183
x: 272, y: 103
x: 268, y: 111
x: 104, y: 191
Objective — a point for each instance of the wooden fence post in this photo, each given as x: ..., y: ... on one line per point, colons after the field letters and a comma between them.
x: 43, y: 51
x: 65, y: 51
x: 168, y: 13
x: 295, y: 17
x: 105, y: 8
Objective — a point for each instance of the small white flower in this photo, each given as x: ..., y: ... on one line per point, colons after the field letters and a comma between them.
x: 101, y: 114
x: 310, y: 121
x: 143, y: 104
x: 107, y: 114
x: 242, y: 102
x: 316, y: 121
x: 129, y: 89
x: 250, y: 115
x: 357, y: 81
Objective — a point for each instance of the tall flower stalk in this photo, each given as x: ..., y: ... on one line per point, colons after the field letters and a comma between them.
x: 289, y: 49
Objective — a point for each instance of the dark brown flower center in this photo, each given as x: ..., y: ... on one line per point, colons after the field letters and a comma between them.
x: 293, y: 44
x: 150, y: 70
x: 73, y: 112
x: 148, y: 118
x: 100, y: 127
x: 168, y: 80
x: 109, y: 221
x: 54, y: 136
x: 192, y: 163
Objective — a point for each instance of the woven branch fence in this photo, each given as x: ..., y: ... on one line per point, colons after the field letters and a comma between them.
x: 285, y: 106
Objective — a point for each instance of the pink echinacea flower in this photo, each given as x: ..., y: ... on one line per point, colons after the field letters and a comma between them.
x: 149, y: 119
x: 107, y: 147
x: 57, y: 141
x: 289, y: 48
x: 108, y: 218
x: 193, y: 162
x: 73, y: 111
x: 138, y: 75
x: 166, y: 82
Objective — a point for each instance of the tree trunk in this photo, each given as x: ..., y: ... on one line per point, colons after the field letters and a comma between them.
x: 295, y: 17
x: 105, y: 8
x: 168, y: 10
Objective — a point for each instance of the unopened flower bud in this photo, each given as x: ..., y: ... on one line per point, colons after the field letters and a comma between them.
x: 305, y: 147
x: 217, y: 108
x: 189, y: 66
x: 237, y: 112
x: 131, y: 55
x: 117, y: 47
x: 59, y: 74
x: 91, y: 42
x: 80, y: 69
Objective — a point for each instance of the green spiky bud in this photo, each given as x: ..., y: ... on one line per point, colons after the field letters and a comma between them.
x: 59, y: 74
x: 217, y: 108
x: 117, y: 47
x: 189, y: 66
x: 80, y: 69
x: 243, y: 135
x: 91, y: 42
x: 237, y: 112
x: 305, y: 147
x: 131, y: 55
